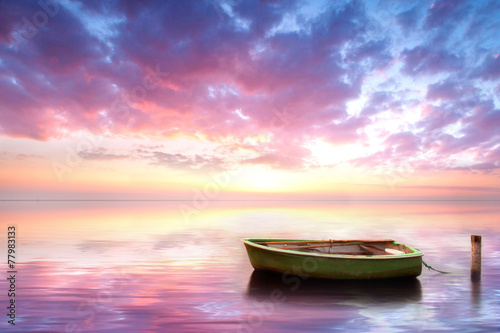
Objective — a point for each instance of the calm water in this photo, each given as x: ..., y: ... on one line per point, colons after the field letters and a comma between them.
x: 173, y: 267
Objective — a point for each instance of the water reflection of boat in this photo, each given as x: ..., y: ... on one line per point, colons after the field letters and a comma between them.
x: 347, y: 259
x: 270, y: 286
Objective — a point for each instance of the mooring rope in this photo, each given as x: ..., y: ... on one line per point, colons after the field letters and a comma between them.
x: 430, y: 267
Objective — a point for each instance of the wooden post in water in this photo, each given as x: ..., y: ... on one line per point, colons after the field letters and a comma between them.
x: 475, y: 264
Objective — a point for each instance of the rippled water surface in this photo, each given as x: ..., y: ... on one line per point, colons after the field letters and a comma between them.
x: 174, y: 267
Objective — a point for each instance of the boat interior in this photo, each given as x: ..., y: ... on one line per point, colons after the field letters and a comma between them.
x: 349, y: 247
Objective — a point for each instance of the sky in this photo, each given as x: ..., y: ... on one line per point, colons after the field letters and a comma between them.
x: 235, y: 99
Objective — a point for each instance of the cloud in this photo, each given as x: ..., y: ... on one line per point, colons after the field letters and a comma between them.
x: 187, y: 162
x: 101, y: 154
x: 224, y: 73
x: 11, y: 156
x: 489, y: 69
x: 483, y: 23
x: 283, y: 156
x: 95, y: 73
x: 409, y: 20
x: 428, y: 60
x: 439, y: 117
x: 444, y: 90
x: 405, y: 143
x: 375, y: 53
x: 444, y: 12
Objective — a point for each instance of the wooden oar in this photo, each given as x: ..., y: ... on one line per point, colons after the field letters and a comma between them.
x: 321, y: 241
x: 330, y: 244
x: 297, y: 242
x: 372, y: 249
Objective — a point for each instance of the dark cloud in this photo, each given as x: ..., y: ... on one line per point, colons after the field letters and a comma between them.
x: 242, y: 68
x: 376, y: 54
x: 446, y: 90
x: 440, y: 117
x: 445, y: 11
x: 409, y: 20
x: 429, y: 60
x: 380, y: 101
x: 347, y: 131
x: 489, y: 69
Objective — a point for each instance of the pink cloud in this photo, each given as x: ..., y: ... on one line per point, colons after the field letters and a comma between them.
x: 250, y: 72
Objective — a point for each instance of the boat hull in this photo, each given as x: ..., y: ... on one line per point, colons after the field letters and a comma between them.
x: 351, y: 267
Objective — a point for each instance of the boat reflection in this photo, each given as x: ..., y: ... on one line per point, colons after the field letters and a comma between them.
x: 266, y: 285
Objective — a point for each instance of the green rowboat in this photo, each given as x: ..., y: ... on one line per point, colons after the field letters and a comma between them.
x: 335, y: 259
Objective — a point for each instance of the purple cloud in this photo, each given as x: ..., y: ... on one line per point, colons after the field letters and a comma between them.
x: 247, y: 68
x: 489, y: 69
x: 445, y: 11
x: 428, y: 60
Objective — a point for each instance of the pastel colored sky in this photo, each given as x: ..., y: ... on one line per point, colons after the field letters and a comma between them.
x: 249, y: 99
